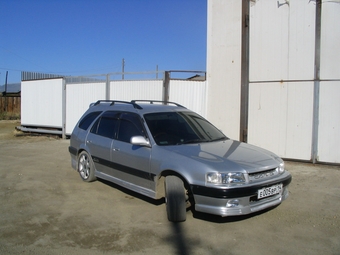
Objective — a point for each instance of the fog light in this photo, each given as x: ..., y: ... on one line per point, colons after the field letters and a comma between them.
x: 232, y: 203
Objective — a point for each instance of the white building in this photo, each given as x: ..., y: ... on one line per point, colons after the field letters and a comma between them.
x: 273, y: 75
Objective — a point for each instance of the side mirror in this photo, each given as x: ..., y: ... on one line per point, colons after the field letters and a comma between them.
x: 140, y: 140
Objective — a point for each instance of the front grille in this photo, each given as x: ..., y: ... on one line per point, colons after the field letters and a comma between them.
x: 263, y: 175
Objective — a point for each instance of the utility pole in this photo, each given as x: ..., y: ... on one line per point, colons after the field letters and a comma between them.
x: 6, y: 102
x: 123, y: 68
x: 6, y: 82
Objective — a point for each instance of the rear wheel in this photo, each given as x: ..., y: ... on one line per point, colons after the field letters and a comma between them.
x: 175, y: 199
x: 86, y: 167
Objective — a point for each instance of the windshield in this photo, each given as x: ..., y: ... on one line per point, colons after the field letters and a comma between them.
x: 171, y: 128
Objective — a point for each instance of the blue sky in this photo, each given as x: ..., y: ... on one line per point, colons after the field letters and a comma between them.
x: 79, y: 37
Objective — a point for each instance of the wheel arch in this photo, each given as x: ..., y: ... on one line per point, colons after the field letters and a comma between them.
x: 160, y: 191
x: 80, y: 150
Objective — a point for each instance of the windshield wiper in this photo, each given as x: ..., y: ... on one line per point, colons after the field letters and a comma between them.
x: 194, y: 141
x: 220, y: 139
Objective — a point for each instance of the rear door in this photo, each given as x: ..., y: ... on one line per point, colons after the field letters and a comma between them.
x: 100, y: 140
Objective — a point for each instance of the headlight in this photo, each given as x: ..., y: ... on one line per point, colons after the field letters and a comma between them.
x: 214, y: 178
x: 225, y: 178
x: 282, y: 168
x: 236, y: 178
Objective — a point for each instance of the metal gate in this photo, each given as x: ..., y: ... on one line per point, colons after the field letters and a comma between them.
x: 294, y: 78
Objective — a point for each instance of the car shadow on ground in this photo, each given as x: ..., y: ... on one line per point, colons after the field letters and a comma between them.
x: 131, y: 193
x: 190, y: 209
x: 179, y: 238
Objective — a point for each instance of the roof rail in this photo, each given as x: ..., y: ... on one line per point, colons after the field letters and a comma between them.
x: 112, y: 102
x: 156, y: 101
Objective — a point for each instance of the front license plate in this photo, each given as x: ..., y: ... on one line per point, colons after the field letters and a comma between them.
x: 267, y: 192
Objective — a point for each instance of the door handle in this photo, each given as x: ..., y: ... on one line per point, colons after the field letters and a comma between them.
x: 116, y: 149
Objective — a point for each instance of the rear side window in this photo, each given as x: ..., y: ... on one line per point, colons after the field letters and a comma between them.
x: 106, y: 125
x: 88, y: 119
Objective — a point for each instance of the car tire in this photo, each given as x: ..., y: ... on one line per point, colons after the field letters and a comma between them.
x: 175, y: 199
x: 86, y: 167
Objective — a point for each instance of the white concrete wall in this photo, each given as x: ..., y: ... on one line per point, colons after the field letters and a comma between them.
x: 224, y: 65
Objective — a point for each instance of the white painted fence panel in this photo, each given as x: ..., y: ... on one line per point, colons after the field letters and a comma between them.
x: 136, y: 90
x: 330, y: 40
x: 268, y: 41
x: 191, y: 94
x: 280, y: 118
x: 41, y: 103
x: 282, y: 40
x: 78, y: 98
x: 329, y: 119
x: 301, y: 40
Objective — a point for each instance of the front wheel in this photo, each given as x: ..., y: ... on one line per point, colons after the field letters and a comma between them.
x: 86, y: 167
x: 175, y: 199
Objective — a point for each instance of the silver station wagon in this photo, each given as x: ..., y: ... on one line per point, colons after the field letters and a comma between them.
x: 161, y: 149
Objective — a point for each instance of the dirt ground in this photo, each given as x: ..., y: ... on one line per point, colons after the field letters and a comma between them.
x: 45, y: 208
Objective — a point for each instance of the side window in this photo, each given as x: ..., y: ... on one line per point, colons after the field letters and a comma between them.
x: 106, y: 125
x: 88, y: 119
x: 130, y: 125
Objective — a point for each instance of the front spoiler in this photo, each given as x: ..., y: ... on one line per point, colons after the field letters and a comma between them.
x: 218, y: 206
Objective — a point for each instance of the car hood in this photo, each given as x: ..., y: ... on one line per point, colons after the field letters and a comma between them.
x: 228, y: 154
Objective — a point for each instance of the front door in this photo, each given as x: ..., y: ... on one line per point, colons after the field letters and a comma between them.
x: 130, y: 162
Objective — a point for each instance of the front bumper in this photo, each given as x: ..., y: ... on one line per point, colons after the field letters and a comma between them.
x: 238, y: 201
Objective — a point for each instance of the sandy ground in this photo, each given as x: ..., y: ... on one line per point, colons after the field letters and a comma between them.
x: 45, y: 208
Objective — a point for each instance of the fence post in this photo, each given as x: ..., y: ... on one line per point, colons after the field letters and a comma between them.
x: 166, y: 84
x: 107, y: 91
x: 244, y: 73
x: 63, y: 108
x: 316, y: 96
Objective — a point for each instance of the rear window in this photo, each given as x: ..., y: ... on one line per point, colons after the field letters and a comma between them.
x: 88, y: 119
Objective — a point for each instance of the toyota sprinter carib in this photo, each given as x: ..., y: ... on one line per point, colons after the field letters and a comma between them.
x: 162, y: 149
